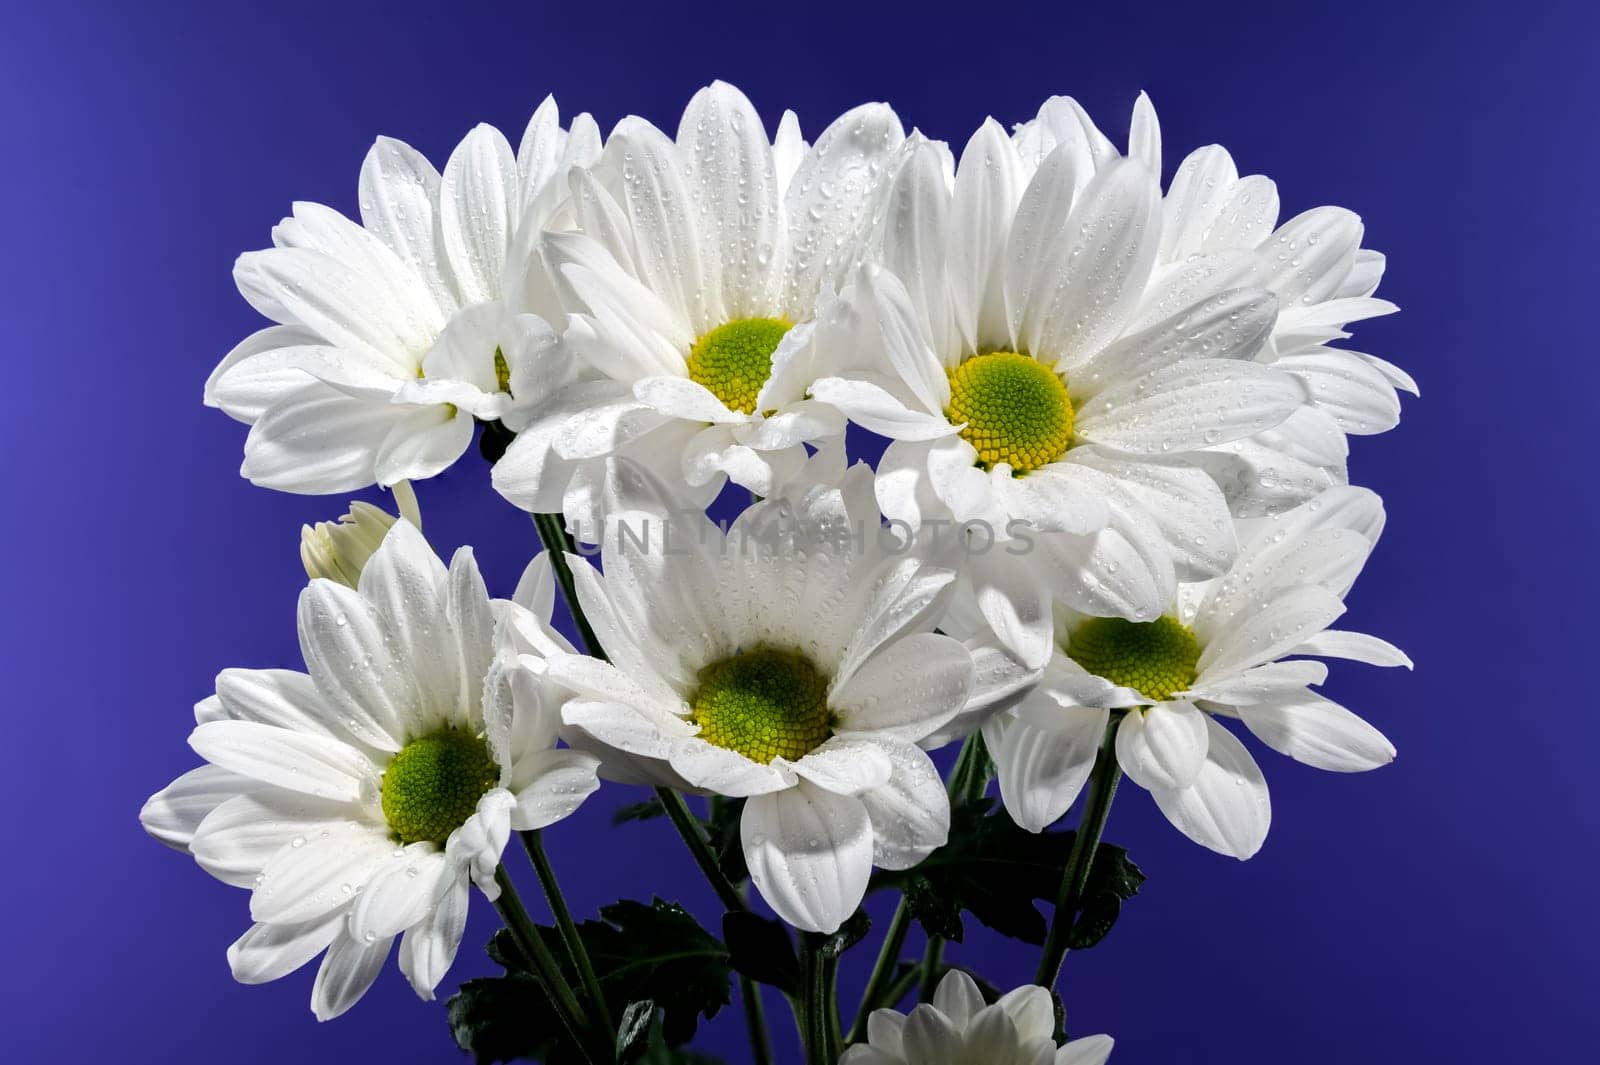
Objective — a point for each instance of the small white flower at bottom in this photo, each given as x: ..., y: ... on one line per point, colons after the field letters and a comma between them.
x: 959, y: 1028
x: 357, y: 801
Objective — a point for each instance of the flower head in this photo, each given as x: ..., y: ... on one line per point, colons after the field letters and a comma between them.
x: 358, y: 801
x: 789, y: 660
x: 696, y: 274
x: 1225, y: 649
x: 959, y: 1028
x: 394, y: 334
x: 338, y: 550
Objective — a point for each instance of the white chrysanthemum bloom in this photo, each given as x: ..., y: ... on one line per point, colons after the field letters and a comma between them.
x: 959, y: 1028
x: 395, y: 334
x: 338, y: 550
x: 789, y: 660
x: 1220, y: 232
x: 1221, y: 651
x: 358, y: 801
x: 1028, y: 387
x: 696, y: 274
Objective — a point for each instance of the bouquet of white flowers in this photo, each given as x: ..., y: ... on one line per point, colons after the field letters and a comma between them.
x: 1112, y: 516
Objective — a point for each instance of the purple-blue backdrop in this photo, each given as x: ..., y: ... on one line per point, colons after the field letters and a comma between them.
x: 1444, y: 907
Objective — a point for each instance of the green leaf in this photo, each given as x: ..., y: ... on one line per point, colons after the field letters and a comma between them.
x: 722, y: 829
x: 761, y: 949
x: 641, y: 952
x: 998, y: 872
x: 1112, y: 878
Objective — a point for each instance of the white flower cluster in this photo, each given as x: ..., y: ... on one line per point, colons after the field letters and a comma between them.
x: 1111, y: 517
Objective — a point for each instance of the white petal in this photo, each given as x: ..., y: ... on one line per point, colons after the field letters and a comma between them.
x: 877, y: 410
x: 1195, y: 200
x: 810, y: 854
x: 1355, y: 646
x: 958, y: 998
x: 1190, y: 406
x: 1164, y: 746
x: 1231, y: 324
x: 422, y: 444
x: 1275, y: 680
x: 1318, y: 732
x: 736, y: 184
x: 846, y: 765
x: 238, y: 838
x: 243, y: 386
x: 1226, y: 809
x: 679, y: 397
x: 347, y: 971
x: 401, y: 891
x: 270, y: 951
x: 1276, y: 626
x: 1090, y: 1050
x: 348, y: 651
x: 405, y: 583
x: 988, y: 185
x: 724, y: 772
x: 324, y: 874
x: 672, y: 257
x: 172, y: 814
x: 317, y: 440
x: 428, y: 949
x: 478, y: 208
x: 399, y: 193
x: 916, y: 242
x: 558, y: 782
x: 300, y: 762
x: 1044, y: 759
x: 1352, y: 392
x: 906, y: 690
x: 910, y: 812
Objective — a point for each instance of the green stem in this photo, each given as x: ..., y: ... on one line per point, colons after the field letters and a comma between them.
x: 553, y: 534
x: 894, y: 942
x: 1085, y: 842
x: 755, y: 1021
x: 828, y: 989
x: 546, y: 968
x: 533, y: 843
x: 902, y: 986
x: 689, y: 828
x: 931, y: 959
x: 814, y: 972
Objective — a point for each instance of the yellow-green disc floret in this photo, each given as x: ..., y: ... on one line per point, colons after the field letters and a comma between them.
x: 734, y: 360
x: 764, y: 703
x: 1155, y: 658
x: 1014, y: 409
x: 433, y: 785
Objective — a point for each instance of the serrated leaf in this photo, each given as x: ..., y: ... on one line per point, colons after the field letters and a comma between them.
x: 762, y: 949
x: 641, y: 952
x: 998, y: 872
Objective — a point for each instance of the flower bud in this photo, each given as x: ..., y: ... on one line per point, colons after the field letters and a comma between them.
x: 337, y: 550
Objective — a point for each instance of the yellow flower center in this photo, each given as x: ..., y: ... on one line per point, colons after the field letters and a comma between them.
x: 765, y: 703
x: 734, y: 360
x: 1015, y: 409
x: 433, y: 785
x: 1155, y: 658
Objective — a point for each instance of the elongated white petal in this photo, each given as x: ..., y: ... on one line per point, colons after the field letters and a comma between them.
x: 846, y: 765
x: 1044, y: 759
x: 906, y: 690
x: 427, y: 949
x: 1272, y: 629
x: 910, y: 812
x: 172, y: 814
x: 810, y: 854
x: 348, y: 651
x: 320, y: 876
x: 238, y: 838
x: 1163, y: 746
x: 1318, y: 732
x: 1090, y: 1050
x: 270, y: 951
x: 1190, y: 406
x: 724, y: 772
x: 478, y: 207
x: 1356, y: 646
x: 1226, y: 809
x: 557, y: 783
x: 347, y: 971
x: 305, y: 763
x: 317, y: 440
x: 401, y: 891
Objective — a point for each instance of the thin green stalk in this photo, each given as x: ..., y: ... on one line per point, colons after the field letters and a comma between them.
x: 828, y: 991
x: 546, y: 968
x: 755, y: 1021
x: 902, y: 986
x: 932, y: 958
x: 894, y: 941
x: 814, y: 997
x: 553, y: 534
x: 689, y: 828
x: 1085, y: 842
x: 533, y: 843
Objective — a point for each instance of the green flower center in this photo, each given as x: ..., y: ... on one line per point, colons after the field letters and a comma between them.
x: 1015, y: 409
x: 433, y: 785
x: 502, y: 371
x: 765, y: 703
x: 1155, y: 658
x: 734, y: 360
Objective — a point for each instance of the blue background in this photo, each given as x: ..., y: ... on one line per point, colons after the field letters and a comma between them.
x: 1444, y: 907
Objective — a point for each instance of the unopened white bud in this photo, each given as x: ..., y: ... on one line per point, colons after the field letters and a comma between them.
x: 337, y: 550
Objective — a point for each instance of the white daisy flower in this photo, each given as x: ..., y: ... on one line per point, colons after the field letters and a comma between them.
x: 338, y: 550
x: 357, y: 801
x: 959, y: 1028
x: 696, y: 276
x: 393, y: 335
x: 1027, y: 385
x: 801, y: 675
x: 1220, y: 232
x: 1221, y: 651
